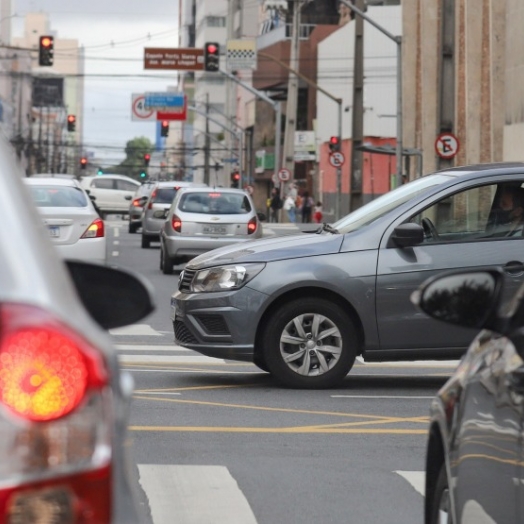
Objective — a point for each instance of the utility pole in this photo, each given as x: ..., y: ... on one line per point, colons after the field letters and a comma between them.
x: 207, y: 144
x: 230, y: 108
x: 357, y: 133
x: 292, y: 95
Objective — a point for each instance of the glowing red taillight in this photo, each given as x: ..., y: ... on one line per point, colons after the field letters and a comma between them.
x: 176, y: 223
x: 95, y: 230
x: 152, y: 199
x: 45, y: 370
x: 136, y: 203
x: 252, y: 226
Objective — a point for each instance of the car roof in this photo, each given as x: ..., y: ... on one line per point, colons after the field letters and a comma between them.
x: 179, y: 183
x: 53, y: 181
x: 120, y: 177
x: 502, y: 168
x: 215, y: 190
x: 53, y: 175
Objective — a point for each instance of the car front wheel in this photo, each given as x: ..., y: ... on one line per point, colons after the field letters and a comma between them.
x: 441, y: 507
x: 310, y: 344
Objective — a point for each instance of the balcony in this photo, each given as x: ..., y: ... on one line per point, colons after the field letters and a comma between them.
x: 271, y: 35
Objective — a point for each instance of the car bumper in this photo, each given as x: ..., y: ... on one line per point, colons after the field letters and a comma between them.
x: 151, y: 227
x: 193, y: 246
x: 218, y: 324
x: 86, y: 249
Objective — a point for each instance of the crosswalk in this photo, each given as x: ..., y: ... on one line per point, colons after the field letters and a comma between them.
x: 195, y: 494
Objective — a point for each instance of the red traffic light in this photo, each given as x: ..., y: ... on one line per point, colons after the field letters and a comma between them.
x: 46, y: 41
x: 212, y: 49
x: 147, y: 156
x: 334, y: 143
x: 236, y: 176
x: 71, y: 118
x: 83, y: 161
x: 333, y: 140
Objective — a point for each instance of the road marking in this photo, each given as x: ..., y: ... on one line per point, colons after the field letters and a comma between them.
x: 129, y: 347
x: 156, y: 359
x: 385, y: 397
x: 417, y: 479
x: 135, y: 330
x: 116, y: 232
x: 116, y: 242
x: 114, y: 253
x: 194, y: 495
x: 410, y: 364
x: 131, y: 369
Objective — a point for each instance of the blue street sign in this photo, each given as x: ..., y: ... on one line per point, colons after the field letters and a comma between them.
x: 230, y: 160
x: 171, y: 100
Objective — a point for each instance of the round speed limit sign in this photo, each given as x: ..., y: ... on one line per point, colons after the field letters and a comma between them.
x: 138, y: 109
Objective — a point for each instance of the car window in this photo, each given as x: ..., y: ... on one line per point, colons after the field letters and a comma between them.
x: 53, y: 196
x: 164, y: 195
x: 102, y: 183
x: 472, y: 214
x: 124, y: 185
x: 384, y: 204
x: 144, y: 190
x: 216, y: 203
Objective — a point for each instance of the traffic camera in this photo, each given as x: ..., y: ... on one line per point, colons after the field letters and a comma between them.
x: 83, y: 162
x: 235, y: 179
x: 164, y: 128
x: 334, y: 143
x: 71, y: 123
x: 46, y: 51
x: 147, y: 158
x: 211, y: 56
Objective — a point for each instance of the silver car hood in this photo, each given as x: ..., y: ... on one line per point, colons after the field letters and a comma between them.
x: 270, y: 249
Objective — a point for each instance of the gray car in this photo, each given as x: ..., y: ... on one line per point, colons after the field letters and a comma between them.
x: 63, y: 399
x: 203, y: 219
x: 160, y: 199
x: 304, y: 307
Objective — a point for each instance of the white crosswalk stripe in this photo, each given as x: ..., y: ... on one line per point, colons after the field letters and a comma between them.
x: 417, y: 479
x: 194, y: 495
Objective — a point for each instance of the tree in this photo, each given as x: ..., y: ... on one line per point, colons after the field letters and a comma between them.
x: 133, y: 164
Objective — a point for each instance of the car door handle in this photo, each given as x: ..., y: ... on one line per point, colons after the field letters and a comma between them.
x: 514, y: 267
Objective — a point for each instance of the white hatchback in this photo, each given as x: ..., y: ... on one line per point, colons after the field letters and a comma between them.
x: 69, y: 217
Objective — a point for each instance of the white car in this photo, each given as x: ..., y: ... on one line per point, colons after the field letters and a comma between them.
x: 112, y: 193
x: 70, y: 218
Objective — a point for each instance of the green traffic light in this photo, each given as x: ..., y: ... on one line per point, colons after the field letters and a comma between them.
x: 100, y: 172
x: 143, y: 175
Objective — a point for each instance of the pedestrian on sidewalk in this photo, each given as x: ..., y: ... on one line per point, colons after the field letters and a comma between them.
x: 289, y: 207
x: 317, y: 213
x: 275, y: 206
x: 307, y: 207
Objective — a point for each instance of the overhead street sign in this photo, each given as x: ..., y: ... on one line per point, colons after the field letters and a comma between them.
x: 141, y: 113
x: 165, y: 100
x: 177, y: 58
x: 447, y: 145
x: 241, y: 54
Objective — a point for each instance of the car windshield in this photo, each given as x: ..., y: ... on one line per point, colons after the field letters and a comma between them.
x: 55, y: 196
x: 216, y: 203
x: 164, y: 195
x: 384, y: 204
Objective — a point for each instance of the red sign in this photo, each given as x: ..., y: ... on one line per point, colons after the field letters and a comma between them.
x: 173, y: 115
x: 181, y: 59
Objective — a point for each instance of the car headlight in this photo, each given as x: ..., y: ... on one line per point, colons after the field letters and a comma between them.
x: 224, y: 278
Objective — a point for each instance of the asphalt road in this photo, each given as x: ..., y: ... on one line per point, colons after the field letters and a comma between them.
x: 220, y: 442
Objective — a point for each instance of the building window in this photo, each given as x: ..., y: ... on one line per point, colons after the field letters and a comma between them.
x: 216, y: 21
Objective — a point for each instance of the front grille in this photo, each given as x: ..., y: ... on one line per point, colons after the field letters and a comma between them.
x: 214, y: 324
x: 182, y: 334
x: 186, y: 278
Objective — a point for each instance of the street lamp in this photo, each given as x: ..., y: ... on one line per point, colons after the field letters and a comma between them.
x: 398, y: 41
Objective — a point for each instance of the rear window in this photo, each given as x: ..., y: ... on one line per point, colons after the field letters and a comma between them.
x: 53, y: 196
x: 215, y: 203
x: 164, y: 195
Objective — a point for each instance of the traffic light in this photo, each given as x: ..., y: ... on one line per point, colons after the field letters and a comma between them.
x: 334, y: 143
x: 143, y: 175
x: 100, y: 171
x: 46, y: 51
x: 211, y: 56
x: 83, y: 162
x: 164, y: 128
x: 71, y: 123
x: 235, y: 179
x: 147, y: 158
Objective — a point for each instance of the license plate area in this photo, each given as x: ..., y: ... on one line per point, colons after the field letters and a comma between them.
x: 54, y: 231
x: 214, y: 230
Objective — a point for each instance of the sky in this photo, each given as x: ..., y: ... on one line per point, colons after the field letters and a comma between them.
x: 114, y: 34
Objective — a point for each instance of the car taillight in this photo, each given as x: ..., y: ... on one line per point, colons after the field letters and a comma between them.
x: 176, y: 223
x: 95, y: 230
x: 151, y: 199
x: 252, y: 226
x: 55, y: 422
x: 136, y: 203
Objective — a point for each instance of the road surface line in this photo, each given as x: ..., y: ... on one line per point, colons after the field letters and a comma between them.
x: 385, y: 397
x: 416, y: 478
x: 194, y: 495
x: 114, y: 253
x: 132, y: 347
x: 116, y: 232
x: 135, y: 330
x: 141, y: 359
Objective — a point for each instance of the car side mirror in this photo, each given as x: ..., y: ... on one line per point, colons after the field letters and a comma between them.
x: 408, y: 235
x: 468, y: 299
x: 261, y: 216
x: 128, y: 197
x: 113, y: 297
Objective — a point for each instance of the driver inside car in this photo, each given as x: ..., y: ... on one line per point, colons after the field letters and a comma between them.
x: 507, y: 219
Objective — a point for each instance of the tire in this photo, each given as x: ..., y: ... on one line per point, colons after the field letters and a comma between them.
x: 260, y: 363
x: 145, y: 242
x: 132, y: 228
x: 312, y: 362
x: 166, y: 264
x: 440, y: 505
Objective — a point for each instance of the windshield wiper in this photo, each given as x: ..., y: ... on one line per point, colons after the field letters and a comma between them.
x: 329, y: 228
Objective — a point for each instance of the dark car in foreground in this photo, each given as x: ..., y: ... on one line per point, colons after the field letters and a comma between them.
x: 64, y: 401
x: 474, y: 455
x: 304, y: 307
